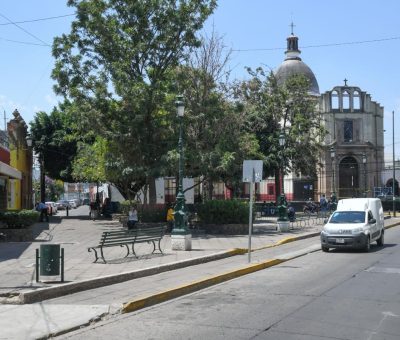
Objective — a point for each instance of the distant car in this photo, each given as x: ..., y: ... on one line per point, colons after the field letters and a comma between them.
x: 51, y: 208
x: 73, y: 204
x: 63, y: 204
x: 86, y: 201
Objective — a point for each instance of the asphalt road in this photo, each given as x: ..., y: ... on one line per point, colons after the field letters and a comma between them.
x: 335, y: 295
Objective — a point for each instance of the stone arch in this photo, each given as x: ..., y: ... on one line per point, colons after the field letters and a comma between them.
x: 349, y: 178
x: 356, y: 100
x: 334, y: 100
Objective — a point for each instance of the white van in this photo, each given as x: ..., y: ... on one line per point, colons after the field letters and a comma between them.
x: 355, y: 224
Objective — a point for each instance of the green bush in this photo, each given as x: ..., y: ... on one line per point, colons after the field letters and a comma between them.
x: 19, y: 219
x: 223, y: 212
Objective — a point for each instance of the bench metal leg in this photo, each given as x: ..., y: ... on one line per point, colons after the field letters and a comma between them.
x: 159, y: 246
x: 95, y: 254
x: 102, y: 255
x: 154, y: 246
x: 133, y: 249
x: 127, y: 249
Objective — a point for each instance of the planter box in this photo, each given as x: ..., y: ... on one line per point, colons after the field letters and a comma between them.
x: 18, y: 235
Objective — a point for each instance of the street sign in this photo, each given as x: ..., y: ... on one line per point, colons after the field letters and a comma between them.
x: 252, y: 171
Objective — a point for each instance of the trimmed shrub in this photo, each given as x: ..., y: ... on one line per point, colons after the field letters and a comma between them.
x: 19, y: 219
x: 224, y: 212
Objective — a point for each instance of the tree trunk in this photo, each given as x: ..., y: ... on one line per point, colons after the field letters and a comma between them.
x: 152, y: 191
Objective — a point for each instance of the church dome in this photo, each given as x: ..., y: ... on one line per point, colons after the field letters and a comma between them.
x: 293, y: 65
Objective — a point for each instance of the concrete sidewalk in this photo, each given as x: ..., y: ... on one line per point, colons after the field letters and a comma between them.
x: 76, y: 233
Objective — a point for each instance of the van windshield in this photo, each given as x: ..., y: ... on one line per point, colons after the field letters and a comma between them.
x: 348, y: 217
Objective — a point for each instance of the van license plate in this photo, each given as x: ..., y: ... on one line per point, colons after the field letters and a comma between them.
x: 340, y: 240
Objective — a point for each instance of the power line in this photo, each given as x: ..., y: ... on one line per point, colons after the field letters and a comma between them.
x: 24, y: 30
x: 35, y: 20
x: 320, y: 45
x: 24, y: 42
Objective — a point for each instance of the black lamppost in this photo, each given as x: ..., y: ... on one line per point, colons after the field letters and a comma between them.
x: 282, y: 142
x: 333, y: 154
x: 180, y: 217
x: 29, y: 142
x: 364, y: 160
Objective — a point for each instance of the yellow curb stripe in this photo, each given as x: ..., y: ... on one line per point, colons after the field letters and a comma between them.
x: 196, y: 285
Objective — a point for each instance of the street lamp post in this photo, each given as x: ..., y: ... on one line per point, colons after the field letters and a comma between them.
x: 364, y: 160
x: 333, y: 154
x: 394, y: 173
x: 282, y: 142
x: 29, y: 142
x: 181, y: 238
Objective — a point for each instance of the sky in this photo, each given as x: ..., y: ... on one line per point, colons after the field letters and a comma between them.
x: 363, y: 38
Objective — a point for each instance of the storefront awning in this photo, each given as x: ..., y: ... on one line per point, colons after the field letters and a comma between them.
x: 9, y: 171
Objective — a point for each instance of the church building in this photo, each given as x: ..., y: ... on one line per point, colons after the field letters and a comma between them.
x: 353, y: 157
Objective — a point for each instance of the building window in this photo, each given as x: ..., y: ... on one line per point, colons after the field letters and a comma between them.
x: 356, y: 100
x: 335, y: 100
x: 348, y: 130
x: 346, y: 100
x: 271, y: 189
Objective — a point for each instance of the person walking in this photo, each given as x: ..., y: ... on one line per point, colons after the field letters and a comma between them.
x: 132, y: 218
x: 170, y: 219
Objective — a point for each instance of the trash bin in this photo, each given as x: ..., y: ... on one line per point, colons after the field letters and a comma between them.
x: 49, y: 259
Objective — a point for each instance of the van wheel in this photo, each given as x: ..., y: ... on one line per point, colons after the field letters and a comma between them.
x: 381, y: 240
x: 367, y: 246
x: 324, y: 249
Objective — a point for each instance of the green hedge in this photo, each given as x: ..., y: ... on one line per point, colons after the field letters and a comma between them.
x: 223, y: 212
x: 19, y: 219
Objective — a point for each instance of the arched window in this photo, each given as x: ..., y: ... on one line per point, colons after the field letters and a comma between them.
x: 356, y: 100
x: 346, y: 100
x: 335, y: 100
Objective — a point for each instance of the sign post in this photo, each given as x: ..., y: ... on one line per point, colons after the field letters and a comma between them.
x: 252, y: 172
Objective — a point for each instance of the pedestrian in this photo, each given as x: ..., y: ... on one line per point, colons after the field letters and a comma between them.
x: 42, y: 208
x: 170, y: 219
x: 132, y: 217
x: 323, y: 203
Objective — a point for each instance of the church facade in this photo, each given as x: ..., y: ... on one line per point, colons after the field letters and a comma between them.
x: 352, y: 162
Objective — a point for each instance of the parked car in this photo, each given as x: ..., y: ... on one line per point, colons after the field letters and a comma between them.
x: 63, y: 204
x: 86, y: 201
x: 73, y: 204
x: 51, y: 208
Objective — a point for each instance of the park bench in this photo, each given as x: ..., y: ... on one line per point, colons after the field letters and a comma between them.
x: 129, y: 238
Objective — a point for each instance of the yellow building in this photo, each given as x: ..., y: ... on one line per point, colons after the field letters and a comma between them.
x: 19, y: 191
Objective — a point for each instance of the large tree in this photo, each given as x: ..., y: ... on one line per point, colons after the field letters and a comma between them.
x: 55, y: 143
x: 116, y: 64
x: 216, y: 142
x: 289, y: 109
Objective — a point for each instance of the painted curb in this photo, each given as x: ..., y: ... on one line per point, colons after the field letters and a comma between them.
x: 153, y: 299
x: 46, y: 293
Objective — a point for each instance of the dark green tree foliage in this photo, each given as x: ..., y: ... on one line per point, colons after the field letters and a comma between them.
x: 116, y: 63
x: 272, y: 109
x: 53, y: 139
